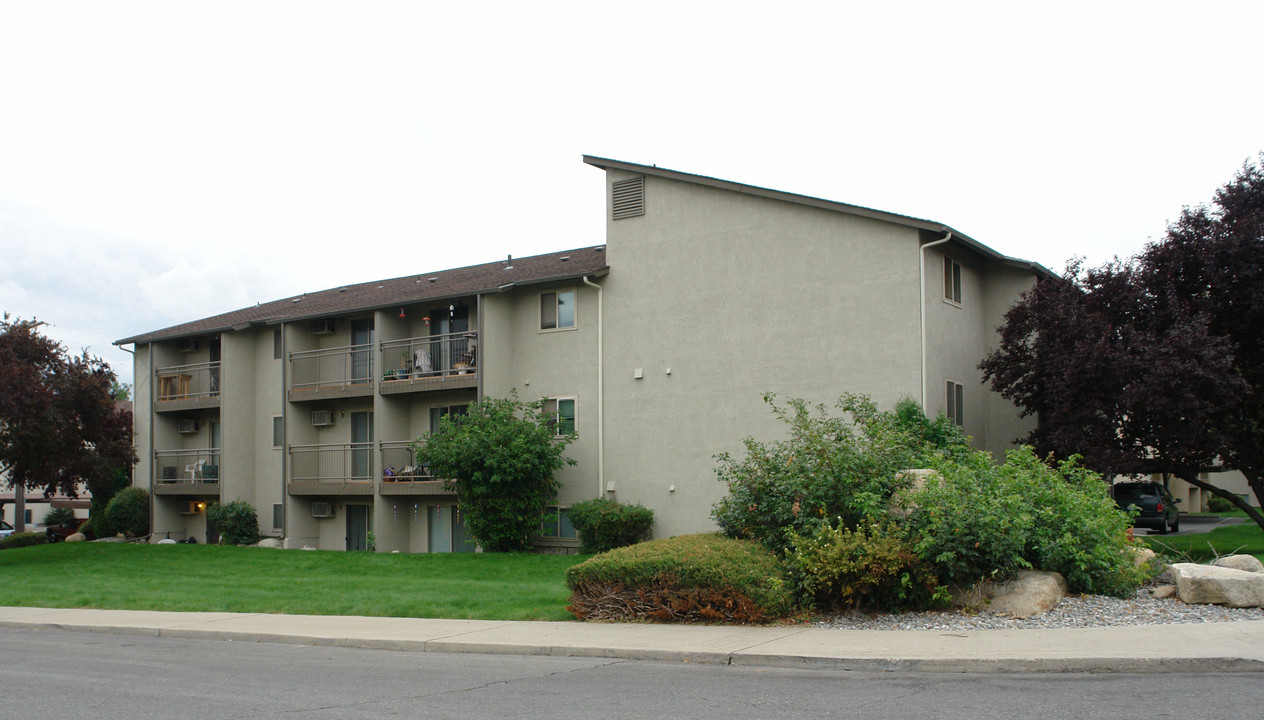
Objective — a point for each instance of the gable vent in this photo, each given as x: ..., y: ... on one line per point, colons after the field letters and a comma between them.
x: 629, y: 198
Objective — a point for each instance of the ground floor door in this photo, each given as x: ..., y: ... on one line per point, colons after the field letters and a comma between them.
x: 447, y: 531
x: 357, y: 527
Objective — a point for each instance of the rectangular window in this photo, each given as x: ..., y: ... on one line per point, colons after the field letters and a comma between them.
x: 276, y: 344
x: 952, y: 280
x: 438, y: 413
x: 956, y: 402
x: 557, y: 310
x: 278, y: 516
x: 278, y: 432
x: 557, y: 524
x: 560, y: 414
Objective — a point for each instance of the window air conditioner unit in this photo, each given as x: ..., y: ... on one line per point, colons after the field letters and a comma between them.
x: 322, y: 510
x: 189, y: 508
x: 189, y: 345
x: 322, y: 418
x: 169, y: 472
x: 322, y: 327
x: 187, y: 426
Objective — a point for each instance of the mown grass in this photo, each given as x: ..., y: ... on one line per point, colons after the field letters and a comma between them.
x: 486, y: 586
x: 1244, y: 539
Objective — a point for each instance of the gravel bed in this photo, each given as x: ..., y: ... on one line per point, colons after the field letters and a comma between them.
x: 1076, y: 611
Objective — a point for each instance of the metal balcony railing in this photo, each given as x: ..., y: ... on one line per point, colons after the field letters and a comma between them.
x: 186, y: 467
x: 432, y: 356
x: 334, y: 462
x: 332, y: 367
x: 399, y: 464
x: 186, y: 382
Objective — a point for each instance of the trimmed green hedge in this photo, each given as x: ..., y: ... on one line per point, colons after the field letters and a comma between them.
x: 691, y: 578
x: 604, y: 524
x: 17, y: 540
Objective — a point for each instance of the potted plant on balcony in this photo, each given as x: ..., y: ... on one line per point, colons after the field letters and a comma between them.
x: 388, y: 376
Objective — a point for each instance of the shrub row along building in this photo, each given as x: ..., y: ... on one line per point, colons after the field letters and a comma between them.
x: 655, y: 348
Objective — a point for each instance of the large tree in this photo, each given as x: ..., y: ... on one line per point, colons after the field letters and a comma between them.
x: 1154, y: 364
x: 60, y: 427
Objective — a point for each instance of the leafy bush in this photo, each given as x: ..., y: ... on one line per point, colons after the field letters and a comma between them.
x: 57, y: 516
x: 88, y: 528
x: 605, y: 524
x: 977, y: 520
x: 26, y: 539
x: 829, y: 467
x: 869, y: 567
x: 690, y: 578
x: 500, y: 458
x: 237, y: 522
x: 128, y: 512
x: 1217, y: 504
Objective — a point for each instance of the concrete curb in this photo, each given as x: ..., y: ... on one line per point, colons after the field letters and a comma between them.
x: 1025, y: 651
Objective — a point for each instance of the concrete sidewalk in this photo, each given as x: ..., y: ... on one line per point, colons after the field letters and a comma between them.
x: 1205, y: 647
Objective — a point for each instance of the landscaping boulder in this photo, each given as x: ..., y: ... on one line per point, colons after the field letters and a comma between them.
x: 1031, y: 592
x: 269, y: 543
x: 1163, y: 592
x: 1141, y: 556
x: 1211, y: 585
x: 166, y: 541
x: 1246, y: 563
x: 76, y: 537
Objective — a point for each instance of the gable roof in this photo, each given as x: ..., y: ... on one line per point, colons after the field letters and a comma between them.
x: 957, y: 236
x: 439, y: 285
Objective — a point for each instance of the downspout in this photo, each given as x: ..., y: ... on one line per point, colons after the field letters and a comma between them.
x: 921, y: 263
x: 601, y: 397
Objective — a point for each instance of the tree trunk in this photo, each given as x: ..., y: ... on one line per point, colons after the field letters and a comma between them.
x: 1252, y: 478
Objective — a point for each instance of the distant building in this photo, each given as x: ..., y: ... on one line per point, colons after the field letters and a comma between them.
x: 655, y: 347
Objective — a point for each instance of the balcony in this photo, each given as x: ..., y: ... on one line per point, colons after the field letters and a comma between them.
x: 331, y: 469
x: 401, y: 475
x: 436, y: 362
x: 186, y: 472
x: 187, y: 387
x: 331, y: 373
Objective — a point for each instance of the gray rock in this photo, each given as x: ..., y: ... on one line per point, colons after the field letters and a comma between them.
x: 1163, y: 592
x: 166, y: 541
x: 1141, y: 555
x: 1031, y: 592
x: 1208, y: 584
x: 269, y: 543
x: 76, y: 537
x: 1245, y: 563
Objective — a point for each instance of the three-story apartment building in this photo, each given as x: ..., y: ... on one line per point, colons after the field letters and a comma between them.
x: 654, y: 348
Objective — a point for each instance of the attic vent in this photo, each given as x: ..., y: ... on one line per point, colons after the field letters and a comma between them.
x: 629, y: 198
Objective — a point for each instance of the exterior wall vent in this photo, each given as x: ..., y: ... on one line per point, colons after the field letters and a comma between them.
x: 322, y: 510
x: 629, y: 198
x: 187, y: 426
x: 322, y: 327
x: 322, y: 418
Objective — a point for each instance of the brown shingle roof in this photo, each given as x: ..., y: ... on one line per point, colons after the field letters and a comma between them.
x: 471, y: 280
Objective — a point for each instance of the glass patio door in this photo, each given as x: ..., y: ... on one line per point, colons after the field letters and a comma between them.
x: 362, y: 350
x: 361, y: 444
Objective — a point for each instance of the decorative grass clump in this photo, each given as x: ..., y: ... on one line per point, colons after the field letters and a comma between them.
x: 692, y: 578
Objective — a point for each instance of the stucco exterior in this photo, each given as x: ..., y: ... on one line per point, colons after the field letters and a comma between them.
x: 707, y: 296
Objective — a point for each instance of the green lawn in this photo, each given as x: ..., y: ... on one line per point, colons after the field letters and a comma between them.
x: 237, y: 579
x: 1247, y: 539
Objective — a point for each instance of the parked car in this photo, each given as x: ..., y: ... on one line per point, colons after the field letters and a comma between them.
x: 5, y: 529
x: 63, y: 530
x: 1155, y: 505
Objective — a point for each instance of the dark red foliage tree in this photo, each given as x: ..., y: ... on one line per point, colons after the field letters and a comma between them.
x: 60, y: 427
x: 1155, y: 364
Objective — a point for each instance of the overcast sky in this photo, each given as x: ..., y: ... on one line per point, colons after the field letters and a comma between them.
x: 162, y: 162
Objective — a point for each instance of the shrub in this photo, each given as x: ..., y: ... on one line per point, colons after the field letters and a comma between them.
x: 1217, y: 504
x: 869, y: 567
x: 57, y: 516
x: 128, y: 512
x: 88, y: 528
x: 237, y: 522
x: 605, y: 524
x: 829, y: 467
x: 500, y: 458
x: 26, y: 539
x: 690, y: 578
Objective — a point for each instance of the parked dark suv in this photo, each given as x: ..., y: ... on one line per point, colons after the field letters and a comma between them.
x: 1156, y: 506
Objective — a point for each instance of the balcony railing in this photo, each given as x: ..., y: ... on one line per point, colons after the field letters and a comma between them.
x: 335, y: 468
x: 333, y: 372
x: 186, y: 472
x: 425, y: 363
x: 183, y: 387
x: 399, y: 464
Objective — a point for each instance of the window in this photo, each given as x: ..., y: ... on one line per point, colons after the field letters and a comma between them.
x: 952, y: 281
x: 276, y: 344
x: 956, y: 402
x: 560, y: 414
x: 278, y: 432
x: 278, y: 516
x: 438, y: 413
x: 557, y: 524
x: 557, y: 310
